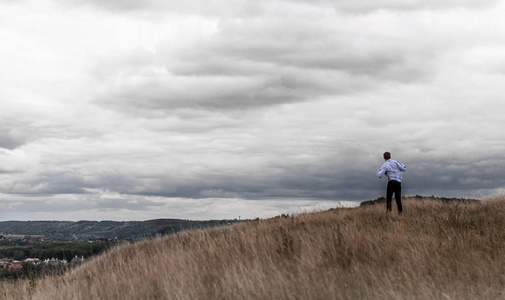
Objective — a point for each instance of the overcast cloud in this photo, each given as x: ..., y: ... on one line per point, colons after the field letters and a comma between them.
x: 133, y: 110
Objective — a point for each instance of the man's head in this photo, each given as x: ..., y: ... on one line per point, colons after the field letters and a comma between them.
x: 387, y: 155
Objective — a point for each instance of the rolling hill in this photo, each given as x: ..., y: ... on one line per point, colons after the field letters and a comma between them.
x: 434, y: 250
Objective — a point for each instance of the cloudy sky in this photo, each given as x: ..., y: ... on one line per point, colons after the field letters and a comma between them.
x: 134, y: 109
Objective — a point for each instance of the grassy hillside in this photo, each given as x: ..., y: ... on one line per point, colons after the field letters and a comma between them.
x: 435, y: 250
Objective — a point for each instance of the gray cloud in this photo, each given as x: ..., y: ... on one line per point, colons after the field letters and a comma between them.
x: 213, y: 92
x: 260, y: 62
x: 215, y: 7
x: 9, y: 140
x: 26, y: 204
x: 367, y: 6
x: 443, y: 177
x: 149, y: 109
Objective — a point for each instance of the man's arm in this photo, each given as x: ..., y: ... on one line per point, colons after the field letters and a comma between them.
x: 401, y: 166
x: 381, y: 171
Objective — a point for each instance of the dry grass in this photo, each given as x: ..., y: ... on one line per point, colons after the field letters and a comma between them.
x: 434, y: 250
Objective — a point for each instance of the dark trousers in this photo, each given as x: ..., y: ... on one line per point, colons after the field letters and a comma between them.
x: 394, y: 187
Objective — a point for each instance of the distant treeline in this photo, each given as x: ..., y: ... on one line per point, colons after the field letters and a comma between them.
x: 65, y: 230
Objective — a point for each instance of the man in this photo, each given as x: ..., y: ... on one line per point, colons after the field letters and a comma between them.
x: 393, y: 170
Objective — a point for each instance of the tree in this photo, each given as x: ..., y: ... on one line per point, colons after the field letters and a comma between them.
x: 19, y: 255
x: 35, y: 253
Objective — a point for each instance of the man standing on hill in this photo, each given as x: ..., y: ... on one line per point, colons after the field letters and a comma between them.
x: 393, y: 170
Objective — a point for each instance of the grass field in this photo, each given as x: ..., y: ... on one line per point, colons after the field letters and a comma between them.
x: 435, y: 250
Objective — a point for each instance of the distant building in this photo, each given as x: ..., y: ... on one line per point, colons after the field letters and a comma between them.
x: 4, y: 262
x: 33, y: 260
x: 15, y: 266
x: 77, y: 259
x: 55, y: 261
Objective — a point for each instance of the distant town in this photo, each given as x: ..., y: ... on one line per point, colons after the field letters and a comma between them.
x: 25, y: 256
x: 13, y: 265
x: 29, y: 248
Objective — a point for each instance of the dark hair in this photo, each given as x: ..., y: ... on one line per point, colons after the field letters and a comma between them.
x: 387, y: 155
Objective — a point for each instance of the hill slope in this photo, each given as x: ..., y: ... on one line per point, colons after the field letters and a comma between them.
x: 435, y: 250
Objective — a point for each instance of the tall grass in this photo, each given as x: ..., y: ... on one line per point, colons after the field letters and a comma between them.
x: 434, y: 250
